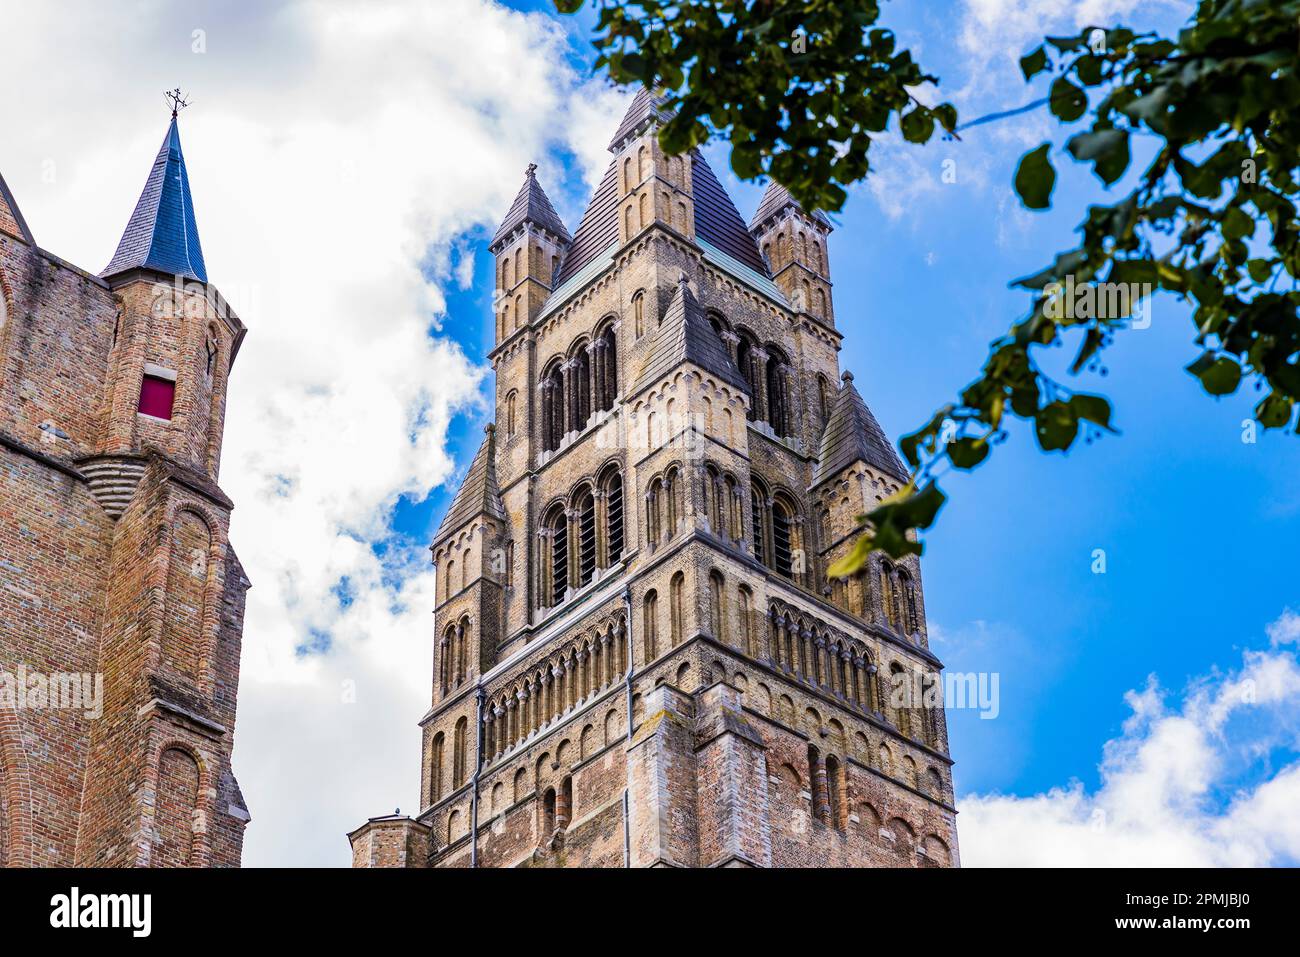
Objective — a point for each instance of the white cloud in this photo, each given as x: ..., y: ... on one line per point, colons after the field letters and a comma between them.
x: 1185, y: 785
x: 337, y: 152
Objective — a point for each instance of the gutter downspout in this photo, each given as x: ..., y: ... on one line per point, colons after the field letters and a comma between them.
x: 631, y: 668
x: 478, y: 766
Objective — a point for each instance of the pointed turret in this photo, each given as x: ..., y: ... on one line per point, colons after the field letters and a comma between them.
x: 646, y: 110
x: 479, y: 494
x: 162, y: 234
x: 776, y: 200
x: 852, y: 434
x: 531, y: 205
x: 686, y: 335
x: 529, y: 245
x: 793, y: 241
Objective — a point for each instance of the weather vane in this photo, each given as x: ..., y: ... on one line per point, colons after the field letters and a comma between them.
x: 177, y: 101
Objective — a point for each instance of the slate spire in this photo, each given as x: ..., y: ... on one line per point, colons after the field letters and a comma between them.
x: 852, y: 434
x: 776, y: 199
x: 531, y: 205
x: 480, y: 493
x: 686, y: 335
x: 162, y: 233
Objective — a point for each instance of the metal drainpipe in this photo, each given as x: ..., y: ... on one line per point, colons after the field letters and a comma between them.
x: 478, y: 766
x: 631, y: 667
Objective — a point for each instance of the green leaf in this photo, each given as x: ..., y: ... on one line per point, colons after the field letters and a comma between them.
x: 918, y: 125
x: 966, y: 453
x: 1219, y: 376
x: 1094, y: 408
x: 1031, y: 64
x: 1236, y: 224
x: 1107, y: 149
x: 1035, y: 178
x: 1274, y: 411
x: 1067, y: 102
x: 1056, y: 426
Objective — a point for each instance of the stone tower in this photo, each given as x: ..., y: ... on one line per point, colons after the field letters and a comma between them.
x: 119, y: 592
x: 639, y: 659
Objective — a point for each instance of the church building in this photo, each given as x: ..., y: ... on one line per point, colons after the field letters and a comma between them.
x: 121, y: 599
x: 639, y: 659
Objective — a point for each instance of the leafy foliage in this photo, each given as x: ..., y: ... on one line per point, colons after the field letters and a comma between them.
x: 1211, y: 219
x: 799, y: 87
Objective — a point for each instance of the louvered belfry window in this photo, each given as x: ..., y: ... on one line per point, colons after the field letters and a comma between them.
x: 586, y: 538
x: 614, y: 504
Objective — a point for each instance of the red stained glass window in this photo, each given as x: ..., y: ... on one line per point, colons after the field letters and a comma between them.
x: 157, y: 396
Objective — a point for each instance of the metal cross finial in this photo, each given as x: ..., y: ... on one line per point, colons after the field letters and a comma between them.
x: 177, y: 101
x: 532, y: 168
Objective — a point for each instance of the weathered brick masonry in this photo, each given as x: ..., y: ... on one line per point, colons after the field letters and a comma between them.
x: 639, y: 658
x: 114, y: 556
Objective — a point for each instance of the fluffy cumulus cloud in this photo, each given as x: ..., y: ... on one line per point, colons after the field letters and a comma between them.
x: 1211, y: 779
x: 339, y: 153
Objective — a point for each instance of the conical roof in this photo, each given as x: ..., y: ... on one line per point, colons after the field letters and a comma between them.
x: 686, y: 335
x: 162, y: 233
x: 776, y: 199
x: 852, y: 434
x: 479, y: 494
x: 531, y: 205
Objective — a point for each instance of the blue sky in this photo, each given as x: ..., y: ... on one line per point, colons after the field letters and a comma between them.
x: 1199, y: 529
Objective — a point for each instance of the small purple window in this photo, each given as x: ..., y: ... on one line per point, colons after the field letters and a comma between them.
x: 156, y: 397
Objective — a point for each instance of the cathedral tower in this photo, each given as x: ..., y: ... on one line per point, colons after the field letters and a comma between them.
x: 639, y: 658
x: 118, y: 573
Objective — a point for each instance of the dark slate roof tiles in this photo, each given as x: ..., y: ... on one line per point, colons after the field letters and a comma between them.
x: 479, y: 494
x: 162, y: 233
x: 686, y: 335
x: 776, y: 198
x: 852, y: 434
x: 531, y: 205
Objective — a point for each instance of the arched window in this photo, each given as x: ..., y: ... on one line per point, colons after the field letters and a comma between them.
x: 447, y: 658
x: 462, y: 651
x: 606, y: 352
x: 778, y: 405
x: 717, y: 605
x: 676, y: 611
x: 783, y: 537
x: 907, y: 598
x: 510, y: 414
x: 672, y: 501
x: 436, y: 757
x: 177, y: 800
x: 581, y: 370
x: 834, y: 791
x: 564, y: 804
x: 823, y: 399
x: 650, y: 628
x: 460, y: 753
x: 733, y: 508
x: 899, y: 694
x: 548, y: 814
x: 748, y: 363
x: 714, y: 499
x: 585, y: 506
x: 556, y: 526
x: 654, y: 502
x: 612, y: 487
x: 758, y: 497
x: 888, y: 594
x: 746, y: 621
x: 638, y: 313
x: 552, y: 407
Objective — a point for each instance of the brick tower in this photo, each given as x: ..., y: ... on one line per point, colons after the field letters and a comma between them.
x: 639, y: 659
x: 115, y: 567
